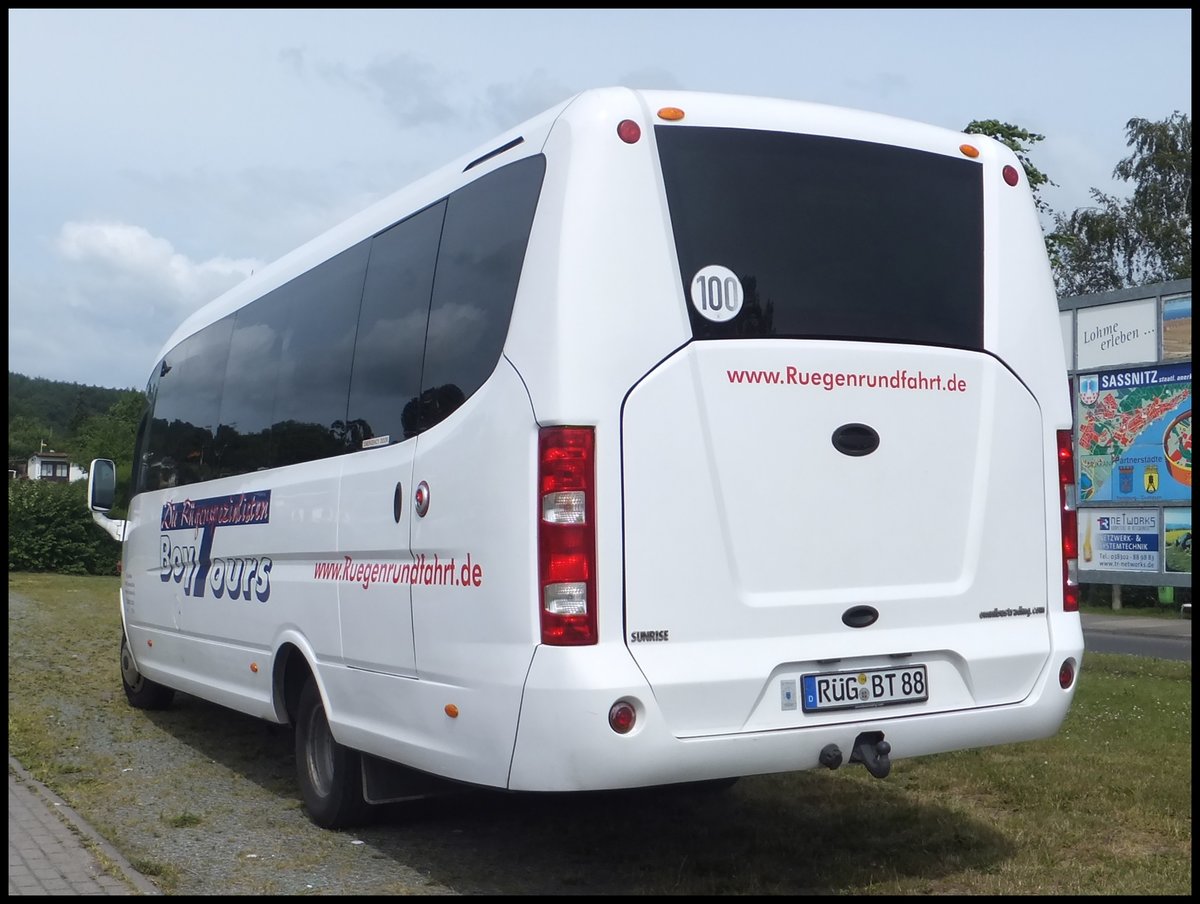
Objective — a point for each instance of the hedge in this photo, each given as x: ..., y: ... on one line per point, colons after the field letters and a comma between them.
x: 50, y: 529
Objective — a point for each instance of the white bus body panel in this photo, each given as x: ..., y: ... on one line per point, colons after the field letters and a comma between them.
x: 764, y: 534
x: 213, y: 632
x: 374, y: 562
x: 474, y: 554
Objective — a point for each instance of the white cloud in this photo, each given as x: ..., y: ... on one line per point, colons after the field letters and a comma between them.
x: 127, y: 252
x: 100, y: 317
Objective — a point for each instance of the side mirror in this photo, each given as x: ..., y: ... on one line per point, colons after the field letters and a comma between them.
x: 102, y: 485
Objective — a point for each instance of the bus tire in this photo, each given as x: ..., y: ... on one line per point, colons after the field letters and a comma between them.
x: 140, y: 691
x: 330, y: 775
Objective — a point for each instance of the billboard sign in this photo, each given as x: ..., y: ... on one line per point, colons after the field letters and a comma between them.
x: 1177, y: 326
x: 1114, y: 334
x: 1119, y: 540
x: 1177, y: 532
x: 1135, y: 434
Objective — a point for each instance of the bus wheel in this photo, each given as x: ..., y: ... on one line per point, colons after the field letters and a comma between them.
x: 330, y: 775
x: 139, y: 690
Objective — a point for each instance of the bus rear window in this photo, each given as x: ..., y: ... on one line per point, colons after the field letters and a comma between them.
x: 831, y: 238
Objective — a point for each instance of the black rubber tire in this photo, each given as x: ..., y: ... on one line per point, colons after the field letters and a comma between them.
x: 140, y: 691
x: 329, y: 774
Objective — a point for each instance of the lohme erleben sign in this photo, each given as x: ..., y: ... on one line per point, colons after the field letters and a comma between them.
x: 1117, y: 333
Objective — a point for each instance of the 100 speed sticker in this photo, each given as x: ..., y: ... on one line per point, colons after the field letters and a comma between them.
x: 717, y: 293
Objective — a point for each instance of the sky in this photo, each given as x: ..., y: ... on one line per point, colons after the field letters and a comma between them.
x: 157, y: 157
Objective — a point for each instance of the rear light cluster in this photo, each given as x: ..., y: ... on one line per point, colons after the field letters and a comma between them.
x: 1070, y: 524
x: 567, y: 535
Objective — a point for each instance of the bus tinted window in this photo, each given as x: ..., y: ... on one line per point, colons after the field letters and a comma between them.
x: 180, y: 449
x: 391, y: 327
x: 479, y: 265
x: 831, y: 237
x: 142, y: 479
x: 248, y: 403
x: 319, y: 316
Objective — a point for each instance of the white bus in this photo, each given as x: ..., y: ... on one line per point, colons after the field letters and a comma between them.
x: 669, y: 437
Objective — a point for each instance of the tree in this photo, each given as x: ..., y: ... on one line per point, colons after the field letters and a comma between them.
x: 109, y: 435
x: 112, y: 435
x: 26, y: 435
x: 1145, y: 238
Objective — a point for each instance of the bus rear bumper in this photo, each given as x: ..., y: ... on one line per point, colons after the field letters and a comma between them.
x: 565, y: 743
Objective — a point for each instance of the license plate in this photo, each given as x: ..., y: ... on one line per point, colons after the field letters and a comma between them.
x: 869, y: 687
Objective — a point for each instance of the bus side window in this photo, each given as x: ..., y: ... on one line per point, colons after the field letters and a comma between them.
x: 479, y: 267
x: 391, y: 327
x: 187, y: 401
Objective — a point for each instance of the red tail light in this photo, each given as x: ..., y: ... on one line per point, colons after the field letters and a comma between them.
x: 567, y: 535
x: 1070, y: 524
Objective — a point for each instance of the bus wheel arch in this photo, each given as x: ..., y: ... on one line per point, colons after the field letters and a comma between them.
x: 291, y: 672
x: 140, y: 691
x: 329, y: 773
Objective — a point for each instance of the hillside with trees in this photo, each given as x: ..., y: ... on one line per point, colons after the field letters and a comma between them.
x: 65, y: 417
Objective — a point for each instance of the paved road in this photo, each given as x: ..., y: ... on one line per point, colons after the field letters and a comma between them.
x: 52, y: 851
x: 1163, y: 638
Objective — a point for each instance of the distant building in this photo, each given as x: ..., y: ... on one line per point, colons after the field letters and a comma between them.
x: 54, y: 466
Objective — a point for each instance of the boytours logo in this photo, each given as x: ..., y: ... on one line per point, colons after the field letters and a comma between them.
x: 238, y: 577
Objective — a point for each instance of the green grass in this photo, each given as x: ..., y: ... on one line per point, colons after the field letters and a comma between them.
x: 1104, y: 807
x: 183, y: 820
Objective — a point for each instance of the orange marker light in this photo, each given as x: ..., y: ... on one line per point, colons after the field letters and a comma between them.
x: 671, y: 114
x: 452, y: 710
x: 254, y: 667
x: 969, y: 150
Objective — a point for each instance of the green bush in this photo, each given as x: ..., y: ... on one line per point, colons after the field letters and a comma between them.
x: 50, y: 529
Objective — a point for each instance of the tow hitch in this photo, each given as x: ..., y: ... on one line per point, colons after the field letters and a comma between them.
x: 870, y: 749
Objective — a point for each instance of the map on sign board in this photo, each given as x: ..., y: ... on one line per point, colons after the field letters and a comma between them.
x: 1135, y: 434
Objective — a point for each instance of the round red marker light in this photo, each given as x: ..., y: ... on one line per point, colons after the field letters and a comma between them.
x: 1010, y: 175
x: 629, y: 131
x: 622, y: 716
x: 1066, y: 674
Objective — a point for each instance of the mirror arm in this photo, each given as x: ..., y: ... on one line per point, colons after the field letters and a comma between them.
x: 114, y: 528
